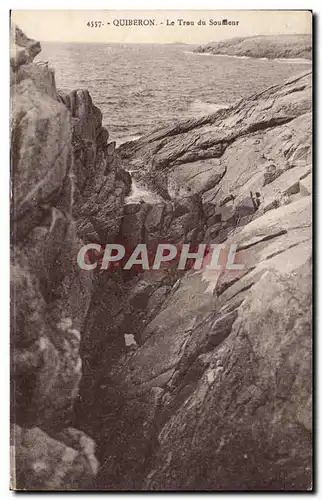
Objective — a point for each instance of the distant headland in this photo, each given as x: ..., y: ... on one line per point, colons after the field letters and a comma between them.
x: 262, y: 46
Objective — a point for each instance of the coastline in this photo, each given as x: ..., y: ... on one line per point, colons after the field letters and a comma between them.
x: 279, y: 59
x: 128, y: 381
x: 269, y: 47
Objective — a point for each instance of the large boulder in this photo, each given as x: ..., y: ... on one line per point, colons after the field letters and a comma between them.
x: 23, y: 49
x: 43, y: 462
x: 242, y: 421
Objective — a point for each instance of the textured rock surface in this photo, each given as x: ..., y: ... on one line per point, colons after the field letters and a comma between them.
x: 101, y: 184
x: 62, y: 168
x: 260, y: 144
x: 244, y: 428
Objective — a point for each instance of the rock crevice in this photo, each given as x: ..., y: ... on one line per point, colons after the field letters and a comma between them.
x: 214, y: 390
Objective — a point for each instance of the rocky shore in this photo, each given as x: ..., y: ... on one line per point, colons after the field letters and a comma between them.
x: 214, y: 391
x: 67, y: 188
x: 263, y: 46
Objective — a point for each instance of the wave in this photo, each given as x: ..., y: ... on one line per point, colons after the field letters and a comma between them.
x: 140, y: 194
x: 235, y: 57
x: 126, y: 138
x: 293, y: 61
x: 143, y: 92
x: 202, y: 107
x: 280, y: 59
x: 191, y: 52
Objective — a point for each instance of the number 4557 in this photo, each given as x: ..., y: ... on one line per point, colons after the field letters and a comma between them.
x: 94, y: 24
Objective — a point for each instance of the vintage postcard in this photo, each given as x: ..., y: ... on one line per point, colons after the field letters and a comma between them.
x: 161, y: 250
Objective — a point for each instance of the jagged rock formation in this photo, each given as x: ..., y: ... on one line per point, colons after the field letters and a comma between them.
x: 260, y: 144
x: 61, y: 168
x: 268, y: 46
x: 217, y: 393
x: 214, y: 391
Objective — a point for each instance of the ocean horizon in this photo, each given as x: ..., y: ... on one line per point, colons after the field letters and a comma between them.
x: 139, y: 87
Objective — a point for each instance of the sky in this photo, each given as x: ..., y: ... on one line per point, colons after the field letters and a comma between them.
x: 71, y: 25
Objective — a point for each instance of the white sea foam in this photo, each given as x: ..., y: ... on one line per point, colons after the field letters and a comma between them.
x: 197, y: 53
x: 126, y: 139
x: 200, y: 107
x: 293, y: 61
x: 222, y: 55
x: 140, y: 193
x: 297, y: 60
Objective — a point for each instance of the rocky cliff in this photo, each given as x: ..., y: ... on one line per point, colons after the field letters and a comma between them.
x: 214, y: 390
x: 267, y: 46
x: 67, y: 188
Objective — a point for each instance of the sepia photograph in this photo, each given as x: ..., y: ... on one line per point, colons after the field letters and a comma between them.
x: 161, y: 250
